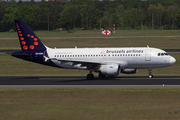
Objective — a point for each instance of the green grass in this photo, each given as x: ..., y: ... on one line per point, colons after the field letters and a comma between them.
x: 96, y: 104
x: 68, y: 42
x: 164, y: 39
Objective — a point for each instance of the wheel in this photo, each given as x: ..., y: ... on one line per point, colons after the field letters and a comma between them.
x: 90, y: 76
x: 101, y: 75
x: 150, y: 76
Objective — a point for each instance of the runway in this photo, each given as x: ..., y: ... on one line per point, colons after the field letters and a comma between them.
x: 82, y: 82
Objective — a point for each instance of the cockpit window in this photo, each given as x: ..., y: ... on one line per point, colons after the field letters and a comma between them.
x: 162, y: 54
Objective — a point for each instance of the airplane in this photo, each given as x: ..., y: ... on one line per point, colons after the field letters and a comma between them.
x: 105, y: 61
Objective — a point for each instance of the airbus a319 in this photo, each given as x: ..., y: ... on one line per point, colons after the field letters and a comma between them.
x: 105, y: 61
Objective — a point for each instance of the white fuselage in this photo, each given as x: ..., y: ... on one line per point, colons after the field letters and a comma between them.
x: 139, y: 57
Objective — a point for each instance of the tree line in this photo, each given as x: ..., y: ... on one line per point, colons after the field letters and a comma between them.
x: 92, y: 14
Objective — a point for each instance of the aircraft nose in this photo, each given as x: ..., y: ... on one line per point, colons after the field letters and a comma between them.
x: 172, y: 60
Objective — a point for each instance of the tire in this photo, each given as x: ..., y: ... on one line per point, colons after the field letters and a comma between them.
x: 150, y: 76
x: 90, y: 76
x: 101, y: 75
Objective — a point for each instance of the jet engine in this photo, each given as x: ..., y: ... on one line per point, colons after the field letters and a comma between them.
x: 113, y: 69
x: 129, y: 71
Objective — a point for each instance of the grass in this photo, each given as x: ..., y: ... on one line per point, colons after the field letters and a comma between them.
x: 13, y: 66
x: 115, y: 104
x: 164, y: 39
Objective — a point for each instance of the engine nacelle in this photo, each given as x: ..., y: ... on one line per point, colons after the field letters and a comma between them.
x: 113, y: 69
x: 129, y: 71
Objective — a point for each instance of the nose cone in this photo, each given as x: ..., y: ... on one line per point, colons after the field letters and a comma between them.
x: 172, y: 60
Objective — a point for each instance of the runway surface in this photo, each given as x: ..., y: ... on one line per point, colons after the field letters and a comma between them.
x: 82, y: 82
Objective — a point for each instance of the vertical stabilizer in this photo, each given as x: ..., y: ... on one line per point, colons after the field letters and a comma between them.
x: 27, y: 38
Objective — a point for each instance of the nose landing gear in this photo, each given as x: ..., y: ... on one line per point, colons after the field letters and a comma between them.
x: 150, y: 73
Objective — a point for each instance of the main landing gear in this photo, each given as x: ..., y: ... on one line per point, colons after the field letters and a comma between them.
x: 101, y: 75
x: 90, y: 76
x: 150, y: 73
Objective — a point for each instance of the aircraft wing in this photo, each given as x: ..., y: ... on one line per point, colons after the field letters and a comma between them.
x: 84, y: 63
x: 123, y: 64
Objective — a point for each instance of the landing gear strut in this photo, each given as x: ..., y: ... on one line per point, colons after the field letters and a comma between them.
x: 150, y: 73
x: 90, y: 76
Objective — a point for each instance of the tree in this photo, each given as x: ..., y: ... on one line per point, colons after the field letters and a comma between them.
x: 55, y: 15
x: 105, y: 21
x: 65, y: 18
x: 160, y: 11
x: 130, y: 19
x: 177, y: 18
x: 89, y: 15
x: 120, y: 13
x: 11, y: 13
x: 27, y: 14
x: 69, y: 16
x: 3, y: 7
x: 75, y: 14
x: 141, y: 17
x: 115, y: 19
x: 171, y: 11
x: 152, y: 10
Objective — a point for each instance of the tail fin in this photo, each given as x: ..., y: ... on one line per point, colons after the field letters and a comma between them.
x: 27, y: 38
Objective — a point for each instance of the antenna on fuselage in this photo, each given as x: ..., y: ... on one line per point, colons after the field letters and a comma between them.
x: 147, y: 46
x: 75, y: 47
